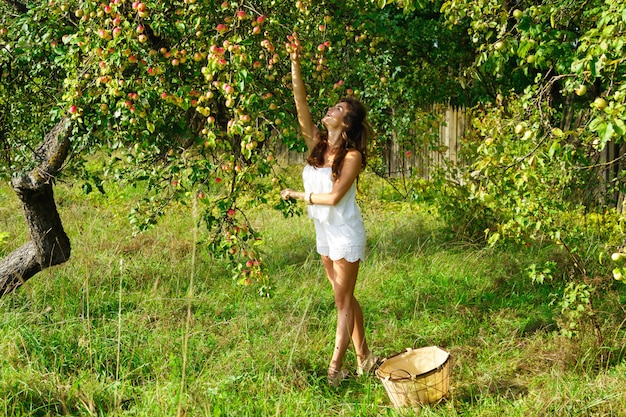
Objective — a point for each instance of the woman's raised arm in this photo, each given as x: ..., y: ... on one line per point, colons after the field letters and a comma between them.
x: 305, y: 120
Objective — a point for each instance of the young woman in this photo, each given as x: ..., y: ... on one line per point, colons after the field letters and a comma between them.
x: 337, y: 155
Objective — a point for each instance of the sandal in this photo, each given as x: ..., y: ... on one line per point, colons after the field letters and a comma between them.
x: 367, y: 364
x: 335, y: 376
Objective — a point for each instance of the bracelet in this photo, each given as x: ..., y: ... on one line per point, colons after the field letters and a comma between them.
x: 308, y: 198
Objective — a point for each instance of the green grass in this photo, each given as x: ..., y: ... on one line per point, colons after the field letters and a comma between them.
x: 110, y: 334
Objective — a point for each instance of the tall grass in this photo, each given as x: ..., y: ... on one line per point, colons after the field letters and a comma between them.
x: 152, y: 325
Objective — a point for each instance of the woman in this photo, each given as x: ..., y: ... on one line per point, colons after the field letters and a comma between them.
x: 337, y: 156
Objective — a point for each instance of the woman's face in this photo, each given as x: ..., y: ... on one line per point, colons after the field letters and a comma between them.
x: 335, y: 115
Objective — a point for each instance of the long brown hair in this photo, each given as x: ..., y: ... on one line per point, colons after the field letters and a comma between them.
x: 354, y: 136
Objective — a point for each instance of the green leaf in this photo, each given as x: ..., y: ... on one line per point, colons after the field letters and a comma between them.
x: 608, y: 133
x: 556, y: 146
x: 577, y: 66
x: 524, y: 48
x: 493, y: 238
x: 620, y: 127
x: 608, y: 31
x: 596, y: 124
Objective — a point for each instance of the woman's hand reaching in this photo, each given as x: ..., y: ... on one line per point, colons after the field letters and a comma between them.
x: 294, y: 47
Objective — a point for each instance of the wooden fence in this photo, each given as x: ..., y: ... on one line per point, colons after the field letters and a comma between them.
x: 453, y: 122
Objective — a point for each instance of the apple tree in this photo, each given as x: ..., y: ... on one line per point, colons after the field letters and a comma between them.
x: 555, y: 73
x: 189, y: 100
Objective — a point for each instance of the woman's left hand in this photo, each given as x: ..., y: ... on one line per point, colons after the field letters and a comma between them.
x: 286, y: 194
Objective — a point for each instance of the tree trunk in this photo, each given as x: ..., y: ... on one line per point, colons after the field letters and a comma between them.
x: 49, y: 244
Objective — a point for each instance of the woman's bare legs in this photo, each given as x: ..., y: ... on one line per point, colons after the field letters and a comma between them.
x: 342, y: 276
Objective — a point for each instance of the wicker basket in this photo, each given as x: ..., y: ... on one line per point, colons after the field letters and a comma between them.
x: 417, y: 376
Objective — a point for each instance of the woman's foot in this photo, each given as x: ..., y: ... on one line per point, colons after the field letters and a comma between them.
x: 335, y: 376
x: 366, y: 365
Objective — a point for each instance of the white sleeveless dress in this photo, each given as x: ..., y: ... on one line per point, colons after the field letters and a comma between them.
x: 339, y: 229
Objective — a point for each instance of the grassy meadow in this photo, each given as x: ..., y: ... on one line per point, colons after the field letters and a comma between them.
x: 152, y: 325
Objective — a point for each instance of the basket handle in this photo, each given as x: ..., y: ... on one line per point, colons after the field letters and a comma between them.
x: 399, y: 370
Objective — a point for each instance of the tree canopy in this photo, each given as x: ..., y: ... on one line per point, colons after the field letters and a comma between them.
x: 191, y: 98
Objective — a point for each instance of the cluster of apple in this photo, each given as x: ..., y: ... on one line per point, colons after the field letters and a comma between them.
x: 523, y: 130
x: 215, y: 76
x: 134, y: 52
x: 599, y: 103
x: 123, y: 29
x: 252, y: 272
x: 99, y: 40
x: 238, y: 241
x: 619, y: 272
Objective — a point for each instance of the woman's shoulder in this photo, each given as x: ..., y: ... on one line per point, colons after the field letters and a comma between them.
x: 354, y: 154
